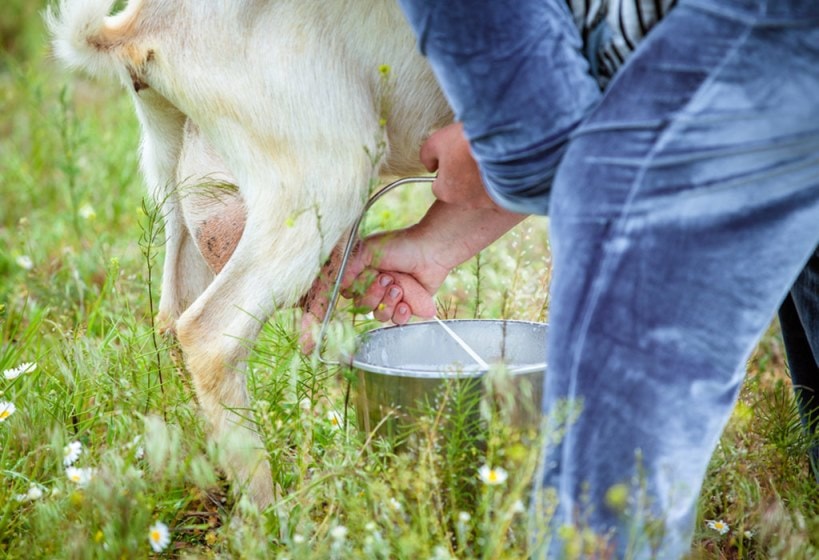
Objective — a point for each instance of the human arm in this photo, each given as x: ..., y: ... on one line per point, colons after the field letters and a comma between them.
x: 514, y: 73
x: 411, y: 264
x: 396, y: 274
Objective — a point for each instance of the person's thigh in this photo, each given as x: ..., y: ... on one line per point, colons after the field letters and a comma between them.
x: 681, y: 214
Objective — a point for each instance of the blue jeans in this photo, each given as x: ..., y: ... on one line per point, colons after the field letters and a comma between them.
x: 799, y: 319
x: 683, y: 211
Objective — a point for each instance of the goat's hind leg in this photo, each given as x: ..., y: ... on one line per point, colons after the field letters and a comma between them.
x: 273, y: 264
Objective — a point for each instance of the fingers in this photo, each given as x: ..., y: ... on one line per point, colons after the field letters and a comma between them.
x: 395, y: 296
x: 415, y: 296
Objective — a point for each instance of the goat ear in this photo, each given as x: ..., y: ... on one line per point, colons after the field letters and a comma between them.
x: 84, y: 37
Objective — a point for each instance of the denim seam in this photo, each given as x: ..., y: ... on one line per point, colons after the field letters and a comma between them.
x: 799, y: 144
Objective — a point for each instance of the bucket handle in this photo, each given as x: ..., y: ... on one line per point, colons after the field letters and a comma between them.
x: 331, y: 304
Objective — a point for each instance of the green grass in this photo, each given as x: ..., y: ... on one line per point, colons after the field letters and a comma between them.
x: 78, y: 277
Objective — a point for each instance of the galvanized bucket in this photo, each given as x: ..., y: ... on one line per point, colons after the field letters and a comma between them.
x: 403, y: 371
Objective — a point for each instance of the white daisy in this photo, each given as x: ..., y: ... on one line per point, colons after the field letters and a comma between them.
x: 159, y: 536
x: 336, y: 419
x: 493, y: 476
x: 440, y: 553
x: 518, y: 507
x: 139, y: 450
x: 16, y: 372
x: 719, y: 526
x: 338, y: 533
x: 71, y: 453
x: 80, y: 477
x: 6, y: 410
x: 87, y: 212
x: 298, y: 539
x: 25, y: 262
x: 34, y: 493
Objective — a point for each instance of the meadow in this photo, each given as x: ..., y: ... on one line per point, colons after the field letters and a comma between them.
x: 103, y: 453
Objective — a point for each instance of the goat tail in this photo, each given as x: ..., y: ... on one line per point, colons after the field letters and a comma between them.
x: 85, y: 37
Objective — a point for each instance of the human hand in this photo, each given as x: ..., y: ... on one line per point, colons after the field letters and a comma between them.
x: 458, y: 181
x: 380, y: 277
x: 395, y: 276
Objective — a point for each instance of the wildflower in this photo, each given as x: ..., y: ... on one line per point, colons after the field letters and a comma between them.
x: 305, y: 404
x: 298, y: 539
x: 492, y: 476
x: 371, y: 526
x: 80, y: 477
x: 25, y: 262
x: 440, y: 553
x: 719, y: 526
x: 16, y: 372
x: 34, y: 493
x: 338, y: 533
x: 336, y: 420
x: 6, y: 410
x: 87, y: 212
x: 464, y: 517
x: 139, y: 453
x: 748, y: 534
x: 395, y: 504
x: 159, y: 536
x: 71, y: 453
x: 518, y: 507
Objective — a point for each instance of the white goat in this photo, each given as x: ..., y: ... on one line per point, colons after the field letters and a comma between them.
x: 284, y: 99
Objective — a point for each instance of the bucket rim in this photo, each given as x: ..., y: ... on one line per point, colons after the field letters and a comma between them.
x: 473, y: 372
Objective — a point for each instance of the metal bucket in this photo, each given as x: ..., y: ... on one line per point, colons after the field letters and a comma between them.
x: 405, y: 371
x: 401, y: 369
